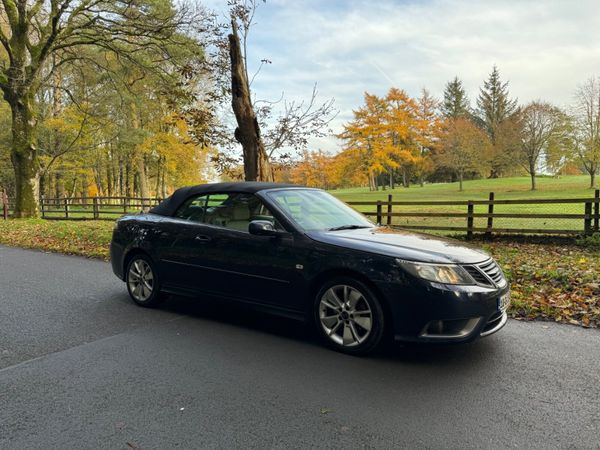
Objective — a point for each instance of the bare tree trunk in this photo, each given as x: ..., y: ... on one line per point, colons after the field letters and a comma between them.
x: 109, y: 179
x: 121, y: 177
x: 460, y: 180
x: 247, y: 133
x: 85, y: 184
x: 158, y: 171
x: 59, y: 187
x: 128, y: 178
x: 532, y: 173
x: 142, y: 180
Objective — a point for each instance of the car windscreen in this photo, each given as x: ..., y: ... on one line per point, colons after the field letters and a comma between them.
x: 314, y: 210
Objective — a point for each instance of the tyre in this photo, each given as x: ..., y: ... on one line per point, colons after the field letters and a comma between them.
x: 142, y: 281
x: 348, y: 316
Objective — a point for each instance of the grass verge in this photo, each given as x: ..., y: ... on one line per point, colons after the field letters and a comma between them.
x: 551, y: 280
x: 84, y: 238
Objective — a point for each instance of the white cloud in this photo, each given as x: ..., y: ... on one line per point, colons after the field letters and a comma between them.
x: 544, y: 48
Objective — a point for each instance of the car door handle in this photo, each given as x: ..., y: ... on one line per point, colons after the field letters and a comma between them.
x: 202, y: 238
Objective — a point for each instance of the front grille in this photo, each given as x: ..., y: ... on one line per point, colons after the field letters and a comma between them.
x: 478, y: 276
x: 487, y: 273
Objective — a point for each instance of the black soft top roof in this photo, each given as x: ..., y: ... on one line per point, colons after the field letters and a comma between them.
x: 169, y: 205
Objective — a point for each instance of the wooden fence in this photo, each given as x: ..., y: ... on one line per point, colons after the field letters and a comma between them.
x: 93, y: 208
x: 585, y: 219
x: 573, y: 216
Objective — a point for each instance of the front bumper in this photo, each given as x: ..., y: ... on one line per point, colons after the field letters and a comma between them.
x: 432, y: 312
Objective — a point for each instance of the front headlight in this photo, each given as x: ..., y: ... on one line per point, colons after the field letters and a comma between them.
x: 440, y: 273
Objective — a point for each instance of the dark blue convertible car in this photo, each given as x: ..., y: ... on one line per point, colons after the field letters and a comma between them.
x: 302, y: 253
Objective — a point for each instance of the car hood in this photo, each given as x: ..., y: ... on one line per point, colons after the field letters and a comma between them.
x: 403, y: 244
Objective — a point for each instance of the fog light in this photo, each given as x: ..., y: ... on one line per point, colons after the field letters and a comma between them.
x: 450, y: 328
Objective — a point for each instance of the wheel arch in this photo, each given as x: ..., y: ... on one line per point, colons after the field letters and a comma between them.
x: 129, y: 256
x: 323, y: 277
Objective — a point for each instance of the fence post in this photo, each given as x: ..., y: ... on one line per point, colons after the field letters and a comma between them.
x: 95, y: 208
x: 389, y: 210
x: 587, y: 224
x: 490, y: 221
x: 124, y: 205
x: 470, y: 219
x: 379, y: 215
x: 597, y: 211
x: 66, y: 208
x: 42, y: 207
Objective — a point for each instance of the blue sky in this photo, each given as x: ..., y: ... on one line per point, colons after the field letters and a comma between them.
x: 544, y: 48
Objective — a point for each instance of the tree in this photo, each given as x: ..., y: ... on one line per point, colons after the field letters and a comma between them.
x: 313, y: 170
x: 543, y: 130
x: 494, y: 108
x: 271, y: 130
x: 366, y: 135
x: 53, y: 31
x: 586, y: 131
x: 392, y: 134
x: 406, y: 130
x: 462, y: 144
x: 456, y: 103
x: 247, y: 133
x: 428, y: 132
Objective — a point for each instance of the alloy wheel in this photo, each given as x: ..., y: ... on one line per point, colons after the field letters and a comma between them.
x: 345, y: 315
x: 140, y: 280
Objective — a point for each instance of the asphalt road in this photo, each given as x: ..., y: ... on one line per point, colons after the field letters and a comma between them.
x: 82, y: 367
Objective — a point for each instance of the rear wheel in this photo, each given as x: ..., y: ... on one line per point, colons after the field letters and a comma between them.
x: 142, y: 281
x: 348, y: 316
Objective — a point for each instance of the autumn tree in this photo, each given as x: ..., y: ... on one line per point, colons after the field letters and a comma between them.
x: 393, y: 135
x: 456, y: 102
x: 543, y: 131
x: 313, y: 169
x: 495, y: 108
x: 123, y: 130
x: 462, y: 145
x: 586, y: 130
x: 366, y: 135
x: 44, y: 31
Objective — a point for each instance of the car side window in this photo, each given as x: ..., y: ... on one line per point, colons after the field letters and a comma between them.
x: 236, y: 210
x: 193, y: 208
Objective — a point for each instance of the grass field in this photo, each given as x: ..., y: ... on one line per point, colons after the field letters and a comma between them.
x: 503, y: 188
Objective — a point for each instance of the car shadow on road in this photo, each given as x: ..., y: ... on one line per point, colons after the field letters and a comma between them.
x: 242, y: 316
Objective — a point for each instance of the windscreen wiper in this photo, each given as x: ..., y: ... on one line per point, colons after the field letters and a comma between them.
x: 348, y: 227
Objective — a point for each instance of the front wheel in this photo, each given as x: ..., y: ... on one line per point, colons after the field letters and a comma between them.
x: 142, y: 281
x: 348, y: 316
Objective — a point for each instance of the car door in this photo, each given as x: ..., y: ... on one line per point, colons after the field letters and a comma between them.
x: 181, y: 246
x: 258, y: 269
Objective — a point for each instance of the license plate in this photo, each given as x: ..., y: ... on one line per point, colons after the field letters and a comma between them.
x: 504, y: 302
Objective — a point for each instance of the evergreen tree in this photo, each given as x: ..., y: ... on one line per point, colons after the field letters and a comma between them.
x: 456, y: 102
x: 494, y: 105
x: 496, y: 114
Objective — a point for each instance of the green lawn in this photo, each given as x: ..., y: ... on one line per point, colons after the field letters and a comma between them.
x: 503, y: 188
x: 508, y: 188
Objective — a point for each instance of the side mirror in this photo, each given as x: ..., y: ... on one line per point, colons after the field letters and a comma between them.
x: 263, y: 228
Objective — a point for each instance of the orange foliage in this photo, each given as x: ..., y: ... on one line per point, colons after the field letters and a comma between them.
x: 391, y: 133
